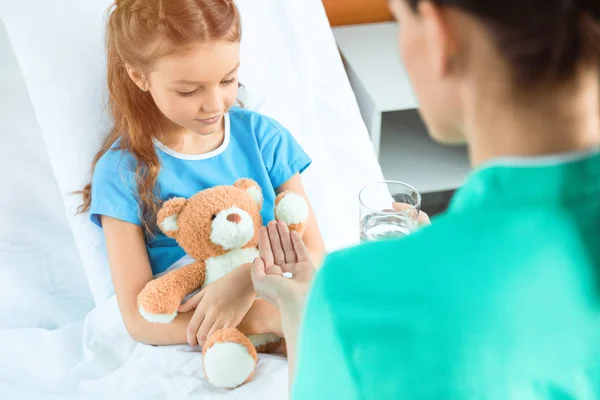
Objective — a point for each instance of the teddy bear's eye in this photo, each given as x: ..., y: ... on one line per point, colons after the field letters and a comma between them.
x: 213, y: 217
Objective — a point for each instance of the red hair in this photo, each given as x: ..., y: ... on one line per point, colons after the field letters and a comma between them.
x: 139, y: 32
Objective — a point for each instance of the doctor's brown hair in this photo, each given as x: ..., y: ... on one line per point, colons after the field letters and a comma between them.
x: 139, y: 32
x: 544, y: 41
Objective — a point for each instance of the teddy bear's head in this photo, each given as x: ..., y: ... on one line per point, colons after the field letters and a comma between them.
x: 214, y: 221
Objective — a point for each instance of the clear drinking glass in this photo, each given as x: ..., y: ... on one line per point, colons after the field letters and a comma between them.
x: 388, y: 210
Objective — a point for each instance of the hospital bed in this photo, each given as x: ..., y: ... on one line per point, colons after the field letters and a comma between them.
x: 61, y: 335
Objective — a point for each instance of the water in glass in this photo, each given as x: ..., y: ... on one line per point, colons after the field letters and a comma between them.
x: 382, y: 226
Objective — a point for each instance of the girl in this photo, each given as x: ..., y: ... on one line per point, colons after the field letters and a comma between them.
x: 172, y: 77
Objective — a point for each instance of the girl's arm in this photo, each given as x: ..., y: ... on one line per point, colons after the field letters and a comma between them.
x: 312, y: 236
x: 130, y: 270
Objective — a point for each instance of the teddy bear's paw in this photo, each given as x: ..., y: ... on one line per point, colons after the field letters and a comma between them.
x: 291, y: 208
x: 157, y: 318
x: 228, y: 365
x: 155, y: 307
x: 229, y: 359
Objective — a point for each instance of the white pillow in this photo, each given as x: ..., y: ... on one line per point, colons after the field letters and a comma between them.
x: 297, y: 73
x: 43, y: 282
x: 288, y: 81
x: 60, y: 49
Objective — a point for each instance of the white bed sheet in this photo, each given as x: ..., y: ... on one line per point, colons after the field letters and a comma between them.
x: 61, y: 355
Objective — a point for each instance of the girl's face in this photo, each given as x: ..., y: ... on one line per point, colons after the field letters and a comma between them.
x: 195, y: 89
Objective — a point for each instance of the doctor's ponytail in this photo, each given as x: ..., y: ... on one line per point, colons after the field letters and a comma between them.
x: 544, y: 41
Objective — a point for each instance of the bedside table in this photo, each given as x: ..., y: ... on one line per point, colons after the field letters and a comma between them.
x: 377, y: 76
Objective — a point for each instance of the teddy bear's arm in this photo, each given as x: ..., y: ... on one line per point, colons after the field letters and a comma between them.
x: 187, y: 278
x: 161, y: 297
x: 292, y: 209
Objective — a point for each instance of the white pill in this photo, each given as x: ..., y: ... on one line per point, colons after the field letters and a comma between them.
x: 287, y: 275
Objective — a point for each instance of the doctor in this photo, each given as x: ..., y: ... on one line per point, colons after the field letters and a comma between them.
x: 500, y: 297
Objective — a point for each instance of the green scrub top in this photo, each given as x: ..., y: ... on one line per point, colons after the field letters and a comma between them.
x: 498, y: 299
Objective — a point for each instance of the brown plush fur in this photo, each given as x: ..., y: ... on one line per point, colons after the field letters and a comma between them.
x: 164, y: 295
x: 195, y: 219
x: 229, y: 335
x: 190, y: 223
x: 246, y: 184
x: 273, y: 348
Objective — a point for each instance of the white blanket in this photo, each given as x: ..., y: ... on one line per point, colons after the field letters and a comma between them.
x: 96, y: 358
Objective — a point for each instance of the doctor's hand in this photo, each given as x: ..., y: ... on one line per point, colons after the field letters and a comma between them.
x: 423, y: 217
x: 283, y: 272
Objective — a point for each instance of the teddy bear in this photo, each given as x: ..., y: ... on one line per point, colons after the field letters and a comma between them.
x: 218, y: 228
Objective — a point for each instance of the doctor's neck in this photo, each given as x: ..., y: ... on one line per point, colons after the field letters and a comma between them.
x: 500, y: 122
x: 512, y: 84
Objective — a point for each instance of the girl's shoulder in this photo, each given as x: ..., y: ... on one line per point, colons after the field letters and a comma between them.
x: 116, y: 160
x: 262, y: 126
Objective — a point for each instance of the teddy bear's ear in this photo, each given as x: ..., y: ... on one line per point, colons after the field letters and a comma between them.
x: 252, y: 188
x: 167, y: 216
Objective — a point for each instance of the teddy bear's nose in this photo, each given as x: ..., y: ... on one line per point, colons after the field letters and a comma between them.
x: 235, y: 218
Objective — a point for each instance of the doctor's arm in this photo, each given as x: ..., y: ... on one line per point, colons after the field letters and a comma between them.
x: 316, y: 362
x: 320, y: 369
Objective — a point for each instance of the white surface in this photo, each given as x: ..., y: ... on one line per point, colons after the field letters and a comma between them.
x: 376, y: 73
x: 60, y: 51
x: 381, y: 85
x: 408, y: 154
x: 96, y: 359
x: 293, y: 73
x: 371, y: 50
x: 42, y: 280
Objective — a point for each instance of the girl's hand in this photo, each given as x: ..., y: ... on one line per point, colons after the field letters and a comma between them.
x: 222, y: 304
x: 262, y: 318
x: 282, y: 254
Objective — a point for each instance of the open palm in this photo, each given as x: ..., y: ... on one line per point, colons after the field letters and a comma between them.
x: 281, y: 254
